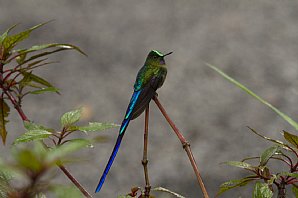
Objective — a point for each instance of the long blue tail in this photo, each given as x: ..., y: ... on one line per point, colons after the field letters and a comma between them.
x: 123, y: 127
x: 111, y: 160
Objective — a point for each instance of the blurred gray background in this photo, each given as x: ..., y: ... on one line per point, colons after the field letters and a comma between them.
x: 254, y: 41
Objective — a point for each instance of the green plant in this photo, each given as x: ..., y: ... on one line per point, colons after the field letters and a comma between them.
x: 51, y: 148
x: 266, y: 180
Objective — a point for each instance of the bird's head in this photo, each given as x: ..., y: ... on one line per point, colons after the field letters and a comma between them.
x: 156, y: 58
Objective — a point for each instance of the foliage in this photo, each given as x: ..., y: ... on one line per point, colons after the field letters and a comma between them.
x: 28, y: 175
x: 260, y: 172
x: 16, y: 71
x: 33, y: 166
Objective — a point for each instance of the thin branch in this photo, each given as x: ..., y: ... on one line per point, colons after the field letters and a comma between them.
x: 186, y: 146
x: 75, y: 182
x: 16, y: 105
x: 145, y: 158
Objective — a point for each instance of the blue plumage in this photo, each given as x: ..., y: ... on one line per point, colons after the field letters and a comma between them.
x: 123, y: 127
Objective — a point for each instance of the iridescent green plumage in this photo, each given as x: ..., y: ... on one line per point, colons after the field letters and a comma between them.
x: 150, y: 77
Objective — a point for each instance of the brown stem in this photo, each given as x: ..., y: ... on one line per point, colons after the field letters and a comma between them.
x: 74, y: 181
x: 186, y: 146
x: 16, y: 105
x: 281, y: 190
x: 145, y: 158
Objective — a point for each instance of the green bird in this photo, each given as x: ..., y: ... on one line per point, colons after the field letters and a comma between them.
x: 150, y: 77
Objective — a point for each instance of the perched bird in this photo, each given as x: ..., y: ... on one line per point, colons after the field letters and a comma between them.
x: 150, y: 77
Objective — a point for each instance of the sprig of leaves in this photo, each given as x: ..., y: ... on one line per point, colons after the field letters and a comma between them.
x: 68, y: 124
x: 280, y: 151
x: 16, y: 71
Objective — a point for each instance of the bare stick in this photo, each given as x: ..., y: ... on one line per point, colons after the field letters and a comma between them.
x: 145, y: 158
x: 186, y: 146
x: 75, y: 182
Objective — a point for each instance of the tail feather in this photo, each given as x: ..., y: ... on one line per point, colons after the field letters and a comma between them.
x: 123, y: 127
x: 111, y: 160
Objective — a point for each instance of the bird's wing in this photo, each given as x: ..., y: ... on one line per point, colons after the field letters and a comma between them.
x: 147, y: 93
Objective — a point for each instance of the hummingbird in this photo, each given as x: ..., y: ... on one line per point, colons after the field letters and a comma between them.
x: 149, y: 78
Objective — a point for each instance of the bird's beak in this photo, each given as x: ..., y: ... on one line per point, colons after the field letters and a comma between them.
x: 167, y: 54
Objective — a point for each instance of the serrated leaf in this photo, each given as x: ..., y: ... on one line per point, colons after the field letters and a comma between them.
x: 10, y: 41
x: 43, y: 90
x: 71, y: 117
x: 4, y: 112
x: 33, y: 126
x: 97, y: 126
x: 56, y: 153
x: 267, y: 154
x: 32, y: 135
x: 161, y: 189
x: 233, y: 184
x: 262, y: 190
x: 240, y: 165
x: 291, y: 138
x: 61, y: 46
x: 244, y: 88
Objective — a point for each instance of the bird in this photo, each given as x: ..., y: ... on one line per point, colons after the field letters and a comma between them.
x: 149, y: 78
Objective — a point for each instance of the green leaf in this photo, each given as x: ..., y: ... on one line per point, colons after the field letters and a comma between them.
x: 43, y: 90
x: 280, y: 143
x: 262, y: 190
x: 240, y: 165
x: 267, y: 154
x: 291, y: 138
x: 41, y: 55
x: 56, y: 153
x: 32, y: 135
x: 4, y: 111
x: 4, y: 35
x: 33, y: 126
x: 295, y: 175
x: 233, y: 184
x: 244, y: 88
x: 96, y: 126
x: 28, y: 159
x: 161, y: 189
x: 61, y: 46
x: 71, y: 117
x: 295, y: 191
x: 10, y: 41
x: 36, y: 79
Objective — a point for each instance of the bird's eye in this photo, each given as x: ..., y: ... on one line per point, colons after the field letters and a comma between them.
x: 155, y: 57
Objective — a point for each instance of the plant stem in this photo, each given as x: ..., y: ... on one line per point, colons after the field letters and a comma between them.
x: 145, y: 158
x: 281, y: 190
x: 186, y: 146
x: 16, y: 105
x: 75, y: 182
